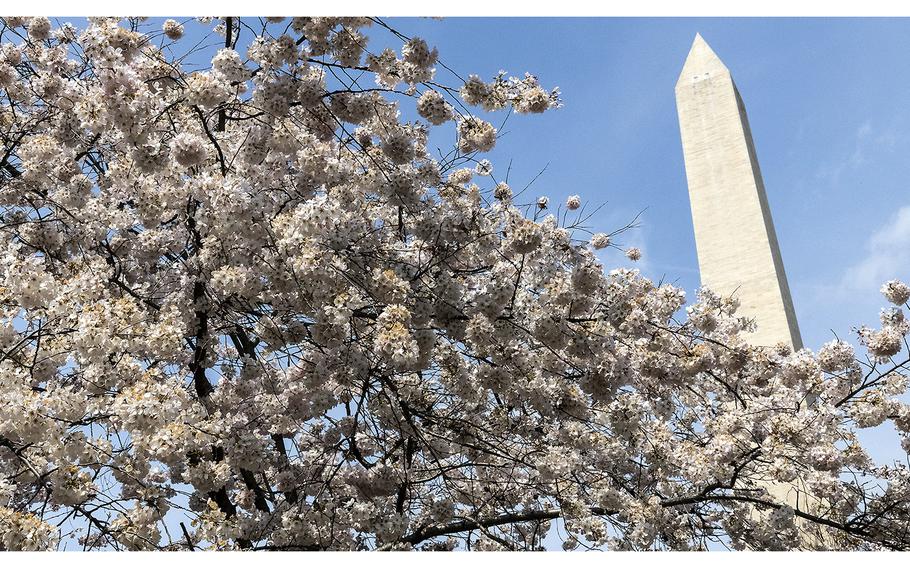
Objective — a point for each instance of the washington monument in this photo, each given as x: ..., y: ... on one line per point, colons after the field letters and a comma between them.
x: 738, y: 254
x: 737, y: 248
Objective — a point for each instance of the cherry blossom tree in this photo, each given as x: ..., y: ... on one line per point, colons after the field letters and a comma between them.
x: 243, y: 305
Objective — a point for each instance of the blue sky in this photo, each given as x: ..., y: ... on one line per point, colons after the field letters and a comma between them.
x: 826, y: 99
x: 827, y: 105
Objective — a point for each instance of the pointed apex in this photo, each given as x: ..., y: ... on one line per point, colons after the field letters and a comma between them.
x: 701, y: 62
x: 701, y: 48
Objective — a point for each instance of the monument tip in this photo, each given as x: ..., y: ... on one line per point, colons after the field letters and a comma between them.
x: 700, y: 61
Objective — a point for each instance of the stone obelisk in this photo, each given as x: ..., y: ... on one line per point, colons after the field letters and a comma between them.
x: 737, y: 248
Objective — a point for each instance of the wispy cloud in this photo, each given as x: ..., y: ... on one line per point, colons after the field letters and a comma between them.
x: 887, y: 255
x: 865, y: 139
x: 851, y: 298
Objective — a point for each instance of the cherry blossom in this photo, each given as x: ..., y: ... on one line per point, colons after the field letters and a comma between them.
x: 245, y: 305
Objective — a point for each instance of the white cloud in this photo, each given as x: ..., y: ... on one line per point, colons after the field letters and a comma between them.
x: 887, y: 255
x: 866, y: 140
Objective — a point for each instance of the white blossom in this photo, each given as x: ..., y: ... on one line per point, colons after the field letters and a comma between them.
x: 896, y: 292
x: 475, y: 135
x: 253, y: 300
x: 173, y: 29
x: 600, y: 240
x: 39, y: 28
x: 189, y: 149
x: 432, y: 106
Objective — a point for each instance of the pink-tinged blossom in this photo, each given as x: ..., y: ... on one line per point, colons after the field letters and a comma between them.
x: 253, y: 300
x: 172, y: 29
x: 896, y: 292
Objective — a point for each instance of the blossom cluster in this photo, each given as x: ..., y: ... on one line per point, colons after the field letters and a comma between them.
x: 247, y: 296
